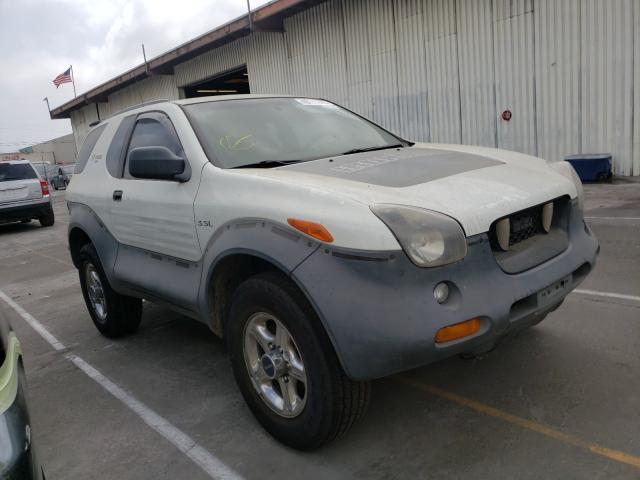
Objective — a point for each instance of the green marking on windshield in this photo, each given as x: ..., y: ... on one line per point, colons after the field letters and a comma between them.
x: 245, y: 142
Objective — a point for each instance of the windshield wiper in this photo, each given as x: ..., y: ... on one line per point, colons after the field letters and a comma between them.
x: 371, y: 149
x: 268, y: 164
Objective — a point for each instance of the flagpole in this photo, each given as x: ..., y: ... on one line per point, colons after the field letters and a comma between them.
x: 73, y: 82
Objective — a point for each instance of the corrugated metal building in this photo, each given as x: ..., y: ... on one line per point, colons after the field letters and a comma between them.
x: 430, y: 70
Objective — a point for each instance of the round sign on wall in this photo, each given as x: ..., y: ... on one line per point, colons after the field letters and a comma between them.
x: 506, y: 115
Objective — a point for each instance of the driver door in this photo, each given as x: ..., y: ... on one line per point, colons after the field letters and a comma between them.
x: 153, y: 221
x: 155, y: 215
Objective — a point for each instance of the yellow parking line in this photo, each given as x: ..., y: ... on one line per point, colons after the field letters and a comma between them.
x: 615, y: 455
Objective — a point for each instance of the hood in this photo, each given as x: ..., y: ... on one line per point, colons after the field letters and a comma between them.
x: 474, y: 185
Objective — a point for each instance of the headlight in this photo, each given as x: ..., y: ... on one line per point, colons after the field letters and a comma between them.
x: 566, y: 170
x: 430, y: 239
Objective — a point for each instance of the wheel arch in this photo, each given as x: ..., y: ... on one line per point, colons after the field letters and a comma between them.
x: 86, y: 226
x: 78, y: 238
x: 235, y: 266
x: 225, y: 274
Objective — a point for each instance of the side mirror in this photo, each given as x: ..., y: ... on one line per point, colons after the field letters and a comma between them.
x: 157, y: 163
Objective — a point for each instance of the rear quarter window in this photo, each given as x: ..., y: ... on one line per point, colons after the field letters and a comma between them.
x: 16, y: 171
x: 87, y: 147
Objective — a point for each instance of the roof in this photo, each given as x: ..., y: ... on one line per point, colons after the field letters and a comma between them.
x: 190, y: 101
x: 268, y: 17
x: 245, y: 96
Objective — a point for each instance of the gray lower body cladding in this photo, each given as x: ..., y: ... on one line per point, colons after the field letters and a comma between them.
x: 137, y: 272
x: 381, y: 315
x: 378, y: 309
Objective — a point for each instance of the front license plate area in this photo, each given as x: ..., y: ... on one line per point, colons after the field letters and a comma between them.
x: 554, y: 292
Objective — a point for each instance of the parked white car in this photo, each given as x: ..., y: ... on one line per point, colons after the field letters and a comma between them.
x: 324, y: 249
x: 24, y: 196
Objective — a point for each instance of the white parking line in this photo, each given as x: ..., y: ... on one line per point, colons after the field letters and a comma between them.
x: 212, y: 465
x: 612, y: 218
x: 596, y: 293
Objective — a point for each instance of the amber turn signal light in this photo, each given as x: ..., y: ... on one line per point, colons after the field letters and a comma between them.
x: 312, y: 229
x: 458, y: 330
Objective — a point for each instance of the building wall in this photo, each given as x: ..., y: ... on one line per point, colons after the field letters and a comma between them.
x: 58, y: 150
x: 61, y: 149
x: 445, y: 70
x: 152, y: 88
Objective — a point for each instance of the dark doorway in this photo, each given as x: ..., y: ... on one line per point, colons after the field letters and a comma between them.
x: 230, y: 83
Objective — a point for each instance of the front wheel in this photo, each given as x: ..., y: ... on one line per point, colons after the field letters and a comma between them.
x: 286, y: 368
x: 114, y: 315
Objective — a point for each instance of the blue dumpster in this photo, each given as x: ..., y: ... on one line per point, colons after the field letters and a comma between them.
x: 591, y: 167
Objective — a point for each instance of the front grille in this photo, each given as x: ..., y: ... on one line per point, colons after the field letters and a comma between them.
x: 528, y: 242
x: 522, y: 226
x: 525, y: 224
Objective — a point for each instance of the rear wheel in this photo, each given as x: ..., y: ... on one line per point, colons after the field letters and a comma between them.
x: 286, y: 367
x: 48, y: 219
x: 114, y: 315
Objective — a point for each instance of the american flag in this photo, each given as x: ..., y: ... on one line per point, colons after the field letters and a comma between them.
x: 63, y: 78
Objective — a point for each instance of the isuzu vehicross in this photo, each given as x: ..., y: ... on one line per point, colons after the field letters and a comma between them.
x: 324, y: 249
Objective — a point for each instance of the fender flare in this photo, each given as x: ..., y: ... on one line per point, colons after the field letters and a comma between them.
x: 266, y: 240
x: 88, y: 222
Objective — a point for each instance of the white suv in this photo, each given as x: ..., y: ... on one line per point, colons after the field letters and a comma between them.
x: 23, y: 194
x: 324, y: 249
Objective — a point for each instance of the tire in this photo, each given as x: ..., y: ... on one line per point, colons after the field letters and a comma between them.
x: 120, y: 314
x: 329, y: 403
x: 48, y: 219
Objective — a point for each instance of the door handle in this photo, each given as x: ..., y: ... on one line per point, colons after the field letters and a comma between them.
x: 117, y: 195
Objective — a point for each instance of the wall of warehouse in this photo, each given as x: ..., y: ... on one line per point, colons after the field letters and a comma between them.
x: 60, y: 150
x: 445, y: 70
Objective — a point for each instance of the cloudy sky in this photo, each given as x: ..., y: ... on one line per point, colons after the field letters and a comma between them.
x: 39, y: 39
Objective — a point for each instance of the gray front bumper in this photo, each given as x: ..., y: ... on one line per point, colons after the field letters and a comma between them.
x: 381, y: 316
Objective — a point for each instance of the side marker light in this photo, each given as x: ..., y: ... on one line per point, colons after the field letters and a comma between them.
x: 312, y: 229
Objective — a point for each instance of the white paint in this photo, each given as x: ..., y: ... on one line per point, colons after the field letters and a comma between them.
x: 152, y: 215
x: 212, y: 465
x: 620, y: 296
x: 205, y: 460
x: 33, y: 323
x: 164, y: 217
x: 612, y: 218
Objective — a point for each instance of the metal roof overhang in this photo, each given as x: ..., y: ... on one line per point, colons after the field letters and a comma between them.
x: 269, y: 17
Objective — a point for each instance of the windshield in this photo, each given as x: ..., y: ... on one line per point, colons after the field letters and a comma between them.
x: 16, y: 171
x: 236, y: 133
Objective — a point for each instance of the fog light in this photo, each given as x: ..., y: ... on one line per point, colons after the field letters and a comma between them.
x: 458, y: 330
x: 441, y: 292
